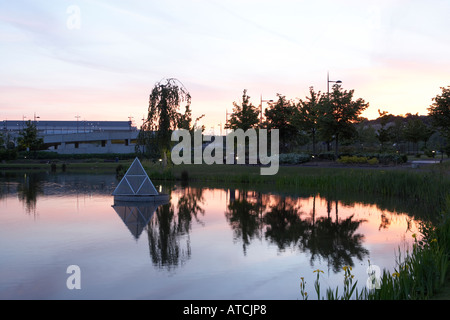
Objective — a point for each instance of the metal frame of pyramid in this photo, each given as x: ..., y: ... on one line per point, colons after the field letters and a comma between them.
x: 137, y: 186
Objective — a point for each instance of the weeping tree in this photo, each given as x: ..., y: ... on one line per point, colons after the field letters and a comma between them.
x: 164, y: 117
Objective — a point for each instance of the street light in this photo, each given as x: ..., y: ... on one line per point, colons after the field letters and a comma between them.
x: 78, y: 117
x: 328, y: 84
x: 260, y: 108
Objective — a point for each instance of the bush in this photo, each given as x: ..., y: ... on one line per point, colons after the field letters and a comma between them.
x: 8, y: 154
x: 327, y: 156
x: 352, y: 159
x: 294, y: 158
x: 386, y: 158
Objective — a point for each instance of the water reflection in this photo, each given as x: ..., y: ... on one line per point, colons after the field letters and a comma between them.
x: 282, y: 222
x: 205, y: 229
x: 168, y: 231
x: 136, y: 215
x: 28, y: 191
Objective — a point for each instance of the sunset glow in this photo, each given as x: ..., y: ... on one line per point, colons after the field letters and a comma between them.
x: 392, y: 53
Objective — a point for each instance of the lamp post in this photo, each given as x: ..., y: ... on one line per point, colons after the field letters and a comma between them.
x: 78, y: 117
x: 260, y: 108
x: 328, y: 84
x: 328, y: 96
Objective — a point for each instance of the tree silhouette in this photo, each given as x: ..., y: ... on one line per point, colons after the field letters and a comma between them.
x: 28, y: 138
x: 280, y: 115
x: 163, y: 115
x: 244, y: 116
x: 306, y: 115
x: 439, y: 112
x: 339, y: 114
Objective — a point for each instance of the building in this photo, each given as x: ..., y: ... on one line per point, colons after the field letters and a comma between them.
x: 79, y: 137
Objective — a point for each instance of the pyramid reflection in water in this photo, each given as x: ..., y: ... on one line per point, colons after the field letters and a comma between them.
x: 136, y: 215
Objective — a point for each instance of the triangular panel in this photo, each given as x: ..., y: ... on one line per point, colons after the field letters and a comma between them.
x: 147, y: 188
x: 135, y: 182
x: 123, y: 188
x: 136, y: 169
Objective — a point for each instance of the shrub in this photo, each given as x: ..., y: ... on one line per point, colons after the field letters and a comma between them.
x: 386, y: 158
x: 352, y: 160
x: 327, y: 156
x: 8, y: 154
x: 293, y: 158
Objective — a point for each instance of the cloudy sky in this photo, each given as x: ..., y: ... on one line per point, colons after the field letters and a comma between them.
x: 100, y: 59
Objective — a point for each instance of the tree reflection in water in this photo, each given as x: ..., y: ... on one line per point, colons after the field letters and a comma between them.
x: 335, y: 241
x: 168, y: 232
x: 28, y: 191
x: 244, y: 217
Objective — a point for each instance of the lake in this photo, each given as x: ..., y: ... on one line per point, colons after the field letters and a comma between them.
x: 208, y: 242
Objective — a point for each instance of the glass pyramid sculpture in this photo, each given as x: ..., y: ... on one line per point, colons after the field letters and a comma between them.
x: 135, y: 183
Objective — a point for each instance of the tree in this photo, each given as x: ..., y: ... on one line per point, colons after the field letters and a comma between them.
x: 163, y: 114
x: 338, y: 115
x: 185, y: 120
x: 397, y: 131
x: 244, y: 116
x: 367, y: 135
x: 306, y: 115
x: 383, y: 134
x: 280, y: 116
x: 28, y: 138
x: 439, y: 112
x: 414, y: 130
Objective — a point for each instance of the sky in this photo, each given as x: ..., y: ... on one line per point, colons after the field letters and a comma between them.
x: 99, y: 60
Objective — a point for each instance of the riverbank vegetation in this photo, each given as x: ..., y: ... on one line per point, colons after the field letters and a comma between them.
x: 422, y: 273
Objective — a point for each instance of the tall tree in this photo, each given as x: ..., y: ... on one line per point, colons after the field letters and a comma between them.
x: 306, y: 115
x: 280, y: 116
x: 339, y: 114
x: 383, y: 134
x: 244, y: 116
x: 397, y: 131
x: 439, y: 112
x: 416, y: 131
x: 163, y: 114
x: 29, y: 139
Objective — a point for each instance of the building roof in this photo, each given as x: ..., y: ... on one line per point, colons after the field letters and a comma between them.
x: 82, y: 125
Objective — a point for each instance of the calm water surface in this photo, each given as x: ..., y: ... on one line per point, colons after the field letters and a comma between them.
x: 206, y: 243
